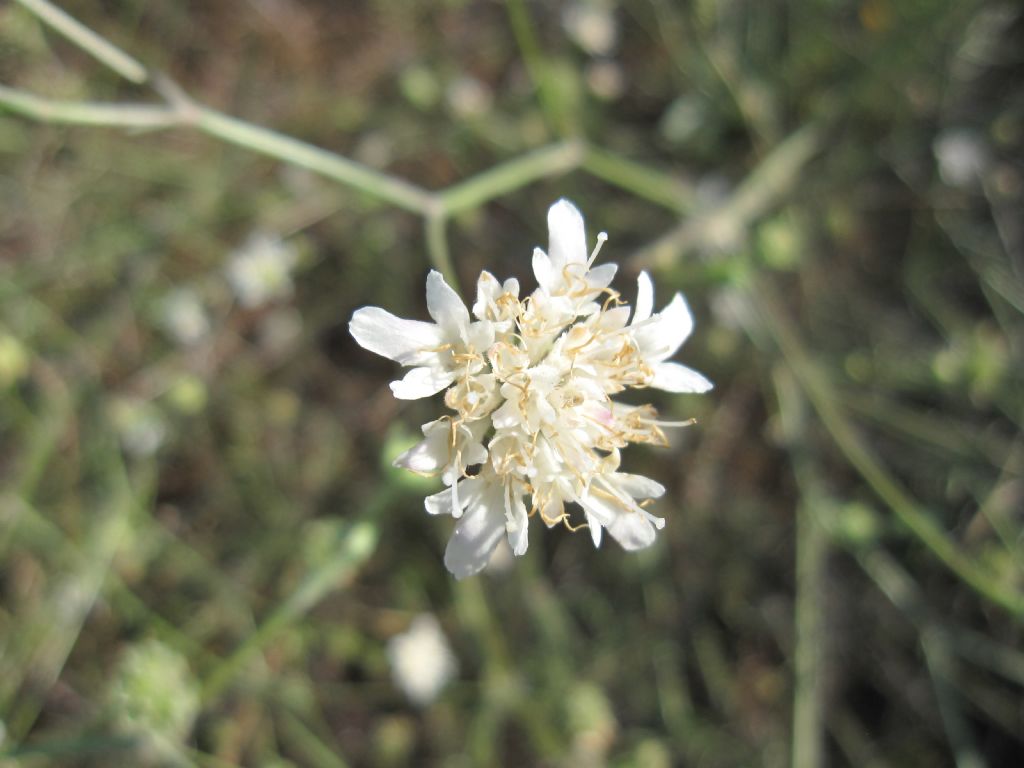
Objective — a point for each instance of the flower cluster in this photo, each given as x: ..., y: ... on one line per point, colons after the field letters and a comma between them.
x: 530, y: 382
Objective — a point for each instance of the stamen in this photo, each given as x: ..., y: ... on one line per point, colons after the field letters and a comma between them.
x: 549, y: 521
x: 601, y: 238
x: 569, y: 526
x: 659, y: 423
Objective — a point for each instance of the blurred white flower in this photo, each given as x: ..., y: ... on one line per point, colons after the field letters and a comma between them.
x: 261, y: 270
x: 421, y: 660
x: 605, y: 79
x: 529, y: 382
x: 591, y: 25
x: 140, y: 425
x: 183, y: 316
x: 468, y: 97
x: 154, y: 696
x: 961, y: 156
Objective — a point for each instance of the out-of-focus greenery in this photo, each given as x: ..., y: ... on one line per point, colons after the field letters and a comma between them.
x: 203, y: 548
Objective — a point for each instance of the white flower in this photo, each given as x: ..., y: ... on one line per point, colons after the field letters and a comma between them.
x: 592, y: 26
x: 534, y: 430
x: 261, y: 271
x: 422, y: 663
x: 962, y: 157
x: 183, y: 316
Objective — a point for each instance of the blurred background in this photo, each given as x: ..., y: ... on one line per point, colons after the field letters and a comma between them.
x: 205, y: 556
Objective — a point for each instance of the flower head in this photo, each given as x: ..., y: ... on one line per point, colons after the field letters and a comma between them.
x: 533, y: 427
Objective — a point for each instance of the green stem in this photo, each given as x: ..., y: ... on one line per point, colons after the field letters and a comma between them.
x: 62, y: 617
x: 541, y: 163
x: 642, y: 181
x: 536, y: 66
x: 437, y: 248
x: 939, y: 661
x: 267, y: 142
x: 811, y: 554
x: 87, y: 113
x: 759, y: 193
x: 312, y: 748
x: 100, y: 49
x: 263, y: 140
x: 357, y: 544
x: 919, y: 522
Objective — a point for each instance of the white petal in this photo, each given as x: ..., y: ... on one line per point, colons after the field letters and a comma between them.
x: 675, y: 325
x: 662, y: 334
x: 480, y: 335
x: 543, y: 271
x: 631, y: 526
x: 613, y: 319
x: 644, y: 297
x: 393, y: 337
x: 598, y: 510
x: 673, y: 377
x: 477, y: 534
x: 632, y: 530
x: 508, y: 415
x: 567, y: 241
x: 444, y: 304
x: 517, y: 524
x: 421, y: 382
x: 441, y: 503
x: 487, y: 290
x: 431, y: 454
x: 638, y: 486
x: 600, y: 277
x: 595, y: 531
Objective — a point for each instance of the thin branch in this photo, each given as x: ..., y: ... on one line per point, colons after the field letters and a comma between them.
x: 354, y: 545
x: 918, y: 521
x: 99, y: 48
x: 348, y: 172
x: 515, y: 174
x: 437, y: 248
x: 812, y: 547
x: 87, y: 113
x: 761, y: 191
x: 187, y: 113
x: 552, y: 106
x: 650, y: 184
